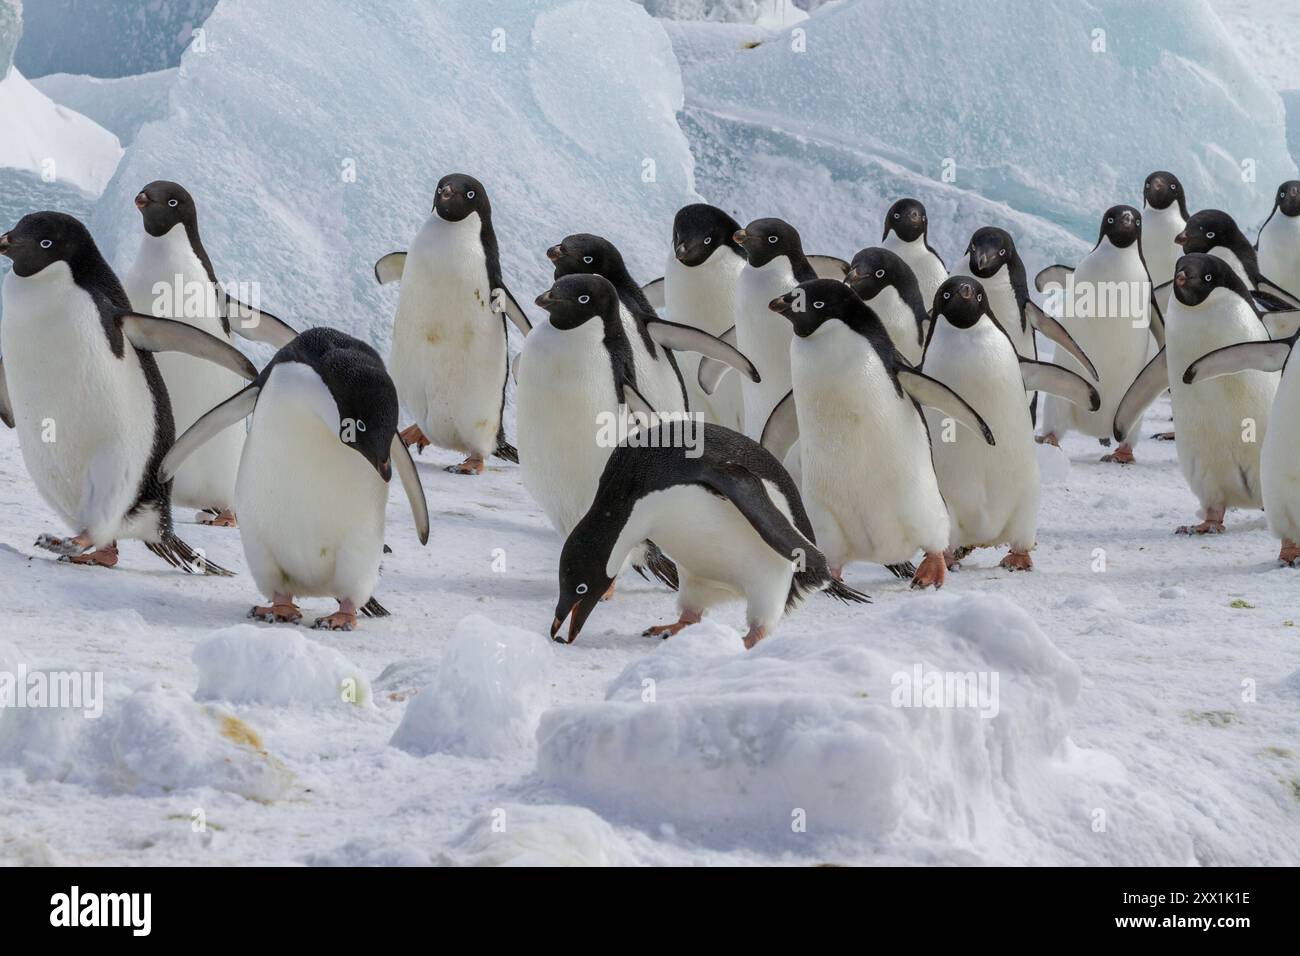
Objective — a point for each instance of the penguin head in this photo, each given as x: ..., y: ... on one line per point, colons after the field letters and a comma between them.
x: 583, y: 582
x: 1122, y: 225
x: 367, y: 403
x: 1198, y: 274
x: 458, y: 196
x: 584, y: 253
x: 811, y: 304
x: 906, y: 218
x: 1288, y: 198
x: 990, y: 249
x: 163, y: 205
x: 574, y: 299
x: 699, y: 230
x: 1207, y: 230
x: 874, y: 270
x: 1162, y: 189
x: 960, y: 300
x: 43, y: 238
x: 766, y: 239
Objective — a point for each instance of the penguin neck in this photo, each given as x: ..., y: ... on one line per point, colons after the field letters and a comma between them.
x: 1170, y: 219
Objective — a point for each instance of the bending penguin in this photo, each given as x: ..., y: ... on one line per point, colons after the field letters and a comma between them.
x: 1215, y: 232
x: 1220, y: 423
x: 313, y: 478
x: 80, y: 384
x: 1114, y: 330
x: 868, y: 473
x: 991, y: 491
x: 731, y: 519
x: 172, y: 278
x: 907, y: 233
x: 1278, y: 245
x: 887, y: 284
x: 449, y: 355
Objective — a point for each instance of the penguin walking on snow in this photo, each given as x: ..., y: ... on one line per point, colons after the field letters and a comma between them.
x: 172, y: 278
x: 888, y: 285
x: 991, y: 491
x: 313, y: 478
x: 1220, y: 423
x: 907, y: 233
x: 730, y: 518
x: 1278, y: 245
x: 868, y: 473
x: 449, y: 355
x: 1215, y: 232
x: 80, y: 384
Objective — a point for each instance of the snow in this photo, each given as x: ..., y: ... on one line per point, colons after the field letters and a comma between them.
x: 250, y: 664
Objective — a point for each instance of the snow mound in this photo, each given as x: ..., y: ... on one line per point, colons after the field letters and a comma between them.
x: 248, y: 664
x: 523, y: 835
x: 303, y: 200
x: 851, y: 733
x: 121, y: 106
x: 491, y: 688
x: 772, y: 14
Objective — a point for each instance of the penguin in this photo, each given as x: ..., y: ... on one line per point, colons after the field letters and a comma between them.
x: 868, y: 476
x: 775, y: 264
x: 699, y: 288
x: 1279, y: 454
x: 1278, y: 245
x: 1215, y: 232
x: 1106, y: 308
x: 84, y: 392
x: 886, y: 283
x: 313, y: 476
x: 1220, y: 423
x: 907, y: 233
x: 449, y: 355
x: 172, y: 278
x: 731, y: 519
x: 1164, y: 213
x: 991, y: 491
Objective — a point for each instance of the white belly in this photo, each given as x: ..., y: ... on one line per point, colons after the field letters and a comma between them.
x: 898, y: 321
x: 705, y: 296
x: 1159, y: 226
x: 1002, y: 302
x: 764, y: 337
x: 1280, y: 457
x: 929, y: 271
x: 1279, y: 252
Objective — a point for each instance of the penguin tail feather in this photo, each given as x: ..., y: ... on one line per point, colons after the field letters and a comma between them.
x: 842, y: 592
x: 373, y: 608
x: 180, y: 555
x: 659, y: 565
x: 904, y: 571
x: 506, y: 451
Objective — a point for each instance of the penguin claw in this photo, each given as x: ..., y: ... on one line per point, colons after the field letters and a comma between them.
x: 412, y: 435
x: 470, y: 466
x: 276, y: 613
x: 224, y: 518
x: 1289, y: 556
x: 1017, y: 561
x: 1163, y: 436
x: 67, y: 547
x: 99, y: 558
x: 1205, y: 527
x: 338, y: 621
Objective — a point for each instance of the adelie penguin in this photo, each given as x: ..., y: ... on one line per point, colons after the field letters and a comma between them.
x: 991, y: 490
x: 80, y: 384
x: 868, y: 473
x: 907, y: 233
x: 172, y: 278
x: 1164, y: 216
x: 1105, y: 306
x: 449, y: 355
x: 1222, y: 422
x: 1215, y: 232
x: 776, y: 263
x: 313, y: 478
x: 730, y: 518
x: 887, y: 284
x: 1278, y: 246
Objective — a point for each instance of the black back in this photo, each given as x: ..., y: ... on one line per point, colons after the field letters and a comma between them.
x: 1211, y: 228
x: 585, y: 254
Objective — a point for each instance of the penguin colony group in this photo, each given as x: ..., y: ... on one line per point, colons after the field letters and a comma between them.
x: 881, y: 409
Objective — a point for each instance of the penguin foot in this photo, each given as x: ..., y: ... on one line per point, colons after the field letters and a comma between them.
x: 668, y: 630
x: 1289, y: 557
x: 1213, y: 524
x: 413, y: 436
x: 1048, y: 439
x: 338, y: 621
x: 1163, y: 436
x: 932, y: 571
x: 950, y: 560
x: 67, y: 547
x: 473, y: 465
x: 281, y: 610
x: 837, y: 573
x: 219, y: 518
x: 99, y: 558
x: 755, y: 635
x: 1017, y: 561
x: 1123, y: 455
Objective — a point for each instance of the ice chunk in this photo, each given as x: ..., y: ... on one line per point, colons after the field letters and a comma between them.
x: 11, y: 31
x: 277, y: 666
x: 523, y: 835
x: 773, y: 14
x: 491, y: 689
x: 121, y: 106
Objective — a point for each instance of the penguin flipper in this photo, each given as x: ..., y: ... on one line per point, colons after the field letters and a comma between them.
x: 234, y: 409
x: 1151, y: 381
x: 1055, y: 380
x: 503, y: 301
x: 933, y: 393
x: 514, y: 366
x: 1276, y: 297
x: 745, y: 490
x: 1244, y: 356
x: 829, y: 267
x: 6, y: 406
x: 405, y: 468
x: 687, y: 338
x: 710, y: 372
x: 636, y: 402
x: 1052, y: 275
x: 180, y: 555
x: 258, y: 326
x: 654, y: 293
x: 390, y: 267
x: 1281, y: 325
x: 1059, y: 334
x: 782, y: 428
x: 151, y: 334
x: 1157, y: 319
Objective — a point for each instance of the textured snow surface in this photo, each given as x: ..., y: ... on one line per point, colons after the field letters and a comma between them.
x: 247, y: 664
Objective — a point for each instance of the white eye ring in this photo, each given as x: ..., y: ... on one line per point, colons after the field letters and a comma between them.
x: 587, y: 259
x: 45, y: 243
x: 173, y: 202
x: 584, y: 299
x: 707, y: 240
x: 361, y: 426
x: 771, y: 238
x: 470, y: 194
x: 980, y: 297
x: 1208, y: 277
x: 895, y: 215
x: 947, y: 295
x: 880, y: 273
x: 1110, y: 219
x: 1002, y: 252
x: 581, y: 589
x: 1173, y: 187
x: 818, y: 305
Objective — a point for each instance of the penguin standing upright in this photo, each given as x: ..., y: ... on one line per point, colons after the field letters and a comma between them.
x: 887, y: 284
x: 84, y: 392
x: 1278, y: 245
x: 313, y: 478
x: 991, y: 491
x: 867, y: 469
x: 1164, y: 216
x: 731, y: 518
x: 907, y: 233
x: 1215, y: 232
x: 172, y: 278
x: 449, y: 356
x: 1220, y: 423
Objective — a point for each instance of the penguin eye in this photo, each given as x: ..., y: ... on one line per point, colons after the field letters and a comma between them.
x: 173, y: 202
x: 1173, y: 187
x: 1110, y: 219
x: 1137, y: 221
x: 584, y: 299
x: 1208, y: 277
x: 707, y: 240
x: 895, y: 215
x: 947, y: 295
x: 980, y: 297
x: 45, y: 243
x: 470, y: 194
x: 1002, y: 252
x: 1209, y: 235
x: 581, y: 589
x: 880, y: 273
x: 818, y: 305
x: 771, y: 238
x: 587, y: 259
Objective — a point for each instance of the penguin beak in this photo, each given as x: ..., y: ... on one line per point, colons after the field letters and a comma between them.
x: 5, y: 244
x: 739, y: 237
x: 545, y: 300
x: 680, y: 252
x: 852, y: 275
x: 141, y: 201
x: 385, y: 469
x: 555, y: 253
x: 1181, y: 238
x: 779, y: 304
x: 966, y: 291
x: 1180, y: 280
x: 577, y: 614
x: 1126, y: 218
